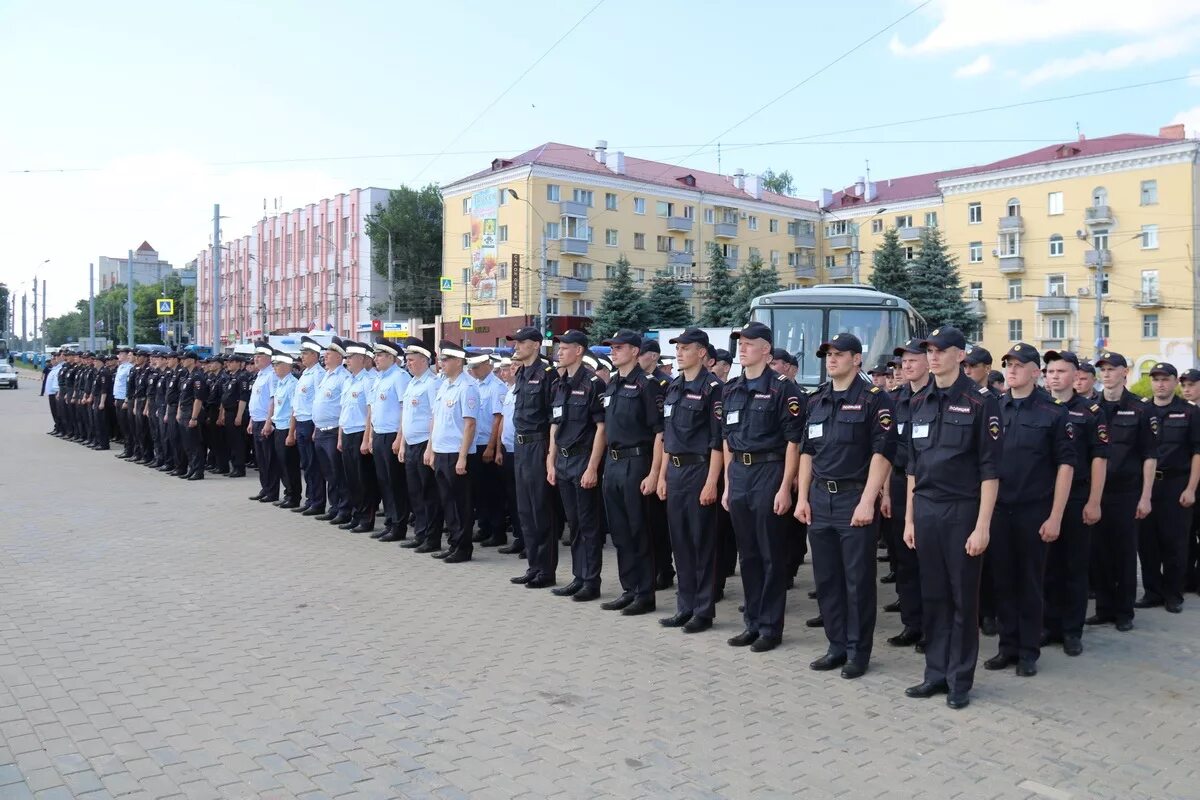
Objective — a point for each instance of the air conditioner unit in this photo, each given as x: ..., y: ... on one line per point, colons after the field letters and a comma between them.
x: 744, y: 215
x: 995, y: 252
x: 1083, y: 291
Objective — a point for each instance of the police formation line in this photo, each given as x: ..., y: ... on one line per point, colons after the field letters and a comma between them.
x: 1004, y: 509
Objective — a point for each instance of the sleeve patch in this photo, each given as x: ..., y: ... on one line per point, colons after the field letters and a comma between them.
x: 1154, y: 423
x: 885, y: 419
x: 1102, y: 433
x: 1070, y: 431
x: 994, y: 427
x: 793, y: 404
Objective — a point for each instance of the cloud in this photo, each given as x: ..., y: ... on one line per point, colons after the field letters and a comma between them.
x: 1146, y: 51
x: 980, y: 66
x: 1190, y: 120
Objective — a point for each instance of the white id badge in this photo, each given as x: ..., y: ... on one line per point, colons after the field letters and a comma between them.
x: 816, y: 431
x: 557, y: 411
x: 733, y: 417
x: 900, y: 428
x: 604, y: 400
x: 920, y: 430
x: 667, y: 409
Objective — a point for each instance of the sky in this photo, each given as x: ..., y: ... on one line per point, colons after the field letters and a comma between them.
x: 126, y: 121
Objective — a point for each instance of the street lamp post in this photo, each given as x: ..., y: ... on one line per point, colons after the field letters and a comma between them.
x: 337, y: 286
x: 542, y: 283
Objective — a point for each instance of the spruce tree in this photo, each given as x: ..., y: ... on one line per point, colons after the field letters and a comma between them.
x: 720, y: 296
x: 891, y: 269
x: 621, y: 306
x: 757, y: 279
x: 666, y: 305
x: 934, y: 287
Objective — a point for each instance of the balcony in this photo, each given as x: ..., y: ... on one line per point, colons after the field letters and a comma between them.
x: 1011, y: 264
x: 686, y: 290
x: 681, y: 224
x: 1011, y: 224
x: 731, y: 263
x: 911, y: 233
x: 1056, y: 344
x: 840, y: 272
x: 574, y: 247
x: 1148, y: 298
x: 573, y: 285
x: 680, y: 259
x: 725, y: 230
x: 978, y: 308
x: 569, y: 208
x: 806, y: 239
x: 1093, y: 258
x: 1098, y: 215
x: 841, y: 241
x: 808, y: 272
x: 1054, y: 305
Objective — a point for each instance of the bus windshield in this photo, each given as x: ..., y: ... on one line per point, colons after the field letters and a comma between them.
x: 801, y: 331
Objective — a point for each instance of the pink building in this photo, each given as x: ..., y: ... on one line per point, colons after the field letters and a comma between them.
x: 281, y: 275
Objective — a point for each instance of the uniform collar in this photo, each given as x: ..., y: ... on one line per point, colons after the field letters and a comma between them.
x: 582, y: 374
x: 701, y: 379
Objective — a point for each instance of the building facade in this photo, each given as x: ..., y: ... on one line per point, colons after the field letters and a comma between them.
x: 147, y: 268
x: 310, y: 268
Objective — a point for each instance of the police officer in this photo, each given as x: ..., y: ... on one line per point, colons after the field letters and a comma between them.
x: 487, y: 486
x: 651, y: 361
x: 100, y: 403
x: 193, y: 394
x: 1067, y: 560
x: 689, y: 479
x: 978, y: 366
x: 122, y: 393
x: 1132, y: 462
x: 416, y: 421
x: 577, y: 443
x: 1189, y: 385
x: 535, y: 386
x: 361, y: 485
x: 326, y: 411
x: 451, y: 439
x: 1085, y: 382
x: 259, y: 408
x: 384, y: 440
x: 719, y: 363
x: 788, y: 365
x: 953, y: 444
x: 764, y: 425
x: 177, y: 385
x: 279, y: 427
x: 506, y: 454
x: 156, y: 400
x: 214, y: 436
x: 1037, y: 467
x: 849, y: 444
x: 307, y: 388
x: 1163, y: 534
x: 235, y: 396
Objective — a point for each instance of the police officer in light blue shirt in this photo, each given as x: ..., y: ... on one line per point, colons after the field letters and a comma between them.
x: 384, y: 440
x: 326, y: 410
x: 356, y: 455
x: 451, y: 441
x: 303, y: 428
x: 504, y: 456
x: 284, y: 438
x: 259, y: 408
x: 416, y: 420
x: 487, y: 487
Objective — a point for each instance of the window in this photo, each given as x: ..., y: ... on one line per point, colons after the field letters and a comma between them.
x: 708, y: 216
x: 639, y: 241
x: 502, y: 233
x: 610, y: 201
x: 503, y: 197
x: 774, y: 258
x: 830, y: 262
x: 1104, y: 284
x: 552, y: 192
x: 772, y: 226
x: 551, y: 230
x: 909, y: 252
x: 575, y: 228
x: 466, y: 241
x: 876, y: 226
x: 466, y: 275
x: 502, y: 270
x: 1014, y: 330
x: 689, y: 212
x: 1056, y: 244
x: 1058, y: 328
x: 1150, y: 285
x: 975, y: 252
x: 930, y: 219
x: 639, y: 275
x: 837, y: 228
x: 1149, y: 193
x: 1054, y: 203
x: 466, y: 204
x: 582, y: 271
x: 582, y: 196
x: 581, y: 308
x: 1013, y: 207
x: 1099, y: 196
x: 610, y: 237
x: 663, y: 244
x: 974, y: 213
x: 1100, y: 239
x: 639, y: 205
x: 752, y: 222
x: 976, y: 291
x: 664, y: 209
x: 1010, y: 244
x: 1149, y: 237
x: 552, y: 267
x: 552, y: 305
x: 1015, y: 290
x: 1149, y: 326
x: 502, y: 308
x: 1104, y: 327
x: 1056, y: 285
x: 904, y: 221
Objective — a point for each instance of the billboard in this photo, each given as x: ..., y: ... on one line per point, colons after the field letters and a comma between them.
x: 485, y: 205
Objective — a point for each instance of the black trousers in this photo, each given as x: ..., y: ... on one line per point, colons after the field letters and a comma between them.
x: 949, y: 589
x: 193, y: 441
x: 660, y: 535
x: 487, y: 493
x: 536, y: 507
x: 393, y: 487
x: 582, y: 510
x: 54, y: 415
x: 1067, y: 574
x: 1163, y: 541
x: 102, y: 431
x: 264, y: 454
x: 287, y: 459
x: 454, y: 491
x: 124, y: 415
x: 361, y: 485
x: 693, y: 539
x: 1114, y: 554
x: 509, y: 468
x: 423, y: 495
x: 623, y: 503
x: 1018, y: 557
x: 176, y: 456
x: 843, y: 561
x: 727, y: 554
x: 764, y: 543
x: 235, y: 441
x: 907, y: 564
x: 153, y: 423
x: 1191, y: 580
x: 333, y: 473
x: 314, y: 484
x: 215, y: 440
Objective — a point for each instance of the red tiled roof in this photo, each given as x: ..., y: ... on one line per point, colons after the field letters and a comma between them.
x: 579, y: 159
x: 912, y: 187
x: 146, y: 248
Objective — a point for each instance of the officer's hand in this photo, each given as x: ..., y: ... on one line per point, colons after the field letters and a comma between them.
x: 662, y: 489
x: 193, y: 423
x: 977, y: 542
x: 399, y: 452
x: 428, y: 456
x: 1091, y: 514
x: 238, y: 421
x: 1050, y: 530
x: 649, y: 486
x: 551, y: 473
x: 885, y: 505
x: 708, y: 494
x: 1187, y: 499
x: 725, y: 499
x: 250, y: 430
x: 783, y: 502
x: 460, y: 466
x: 221, y: 418
x: 365, y: 448
x: 1143, y: 509
x: 396, y: 447
x: 500, y: 456
x: 803, y: 511
x: 267, y: 428
x: 489, y: 454
x: 290, y: 441
x: 339, y: 446
x: 910, y: 536
x: 864, y: 514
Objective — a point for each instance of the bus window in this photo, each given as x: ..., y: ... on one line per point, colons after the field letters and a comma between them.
x: 881, y: 330
x: 800, y: 331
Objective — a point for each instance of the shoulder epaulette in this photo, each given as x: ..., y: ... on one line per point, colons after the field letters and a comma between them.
x: 1095, y: 408
x: 1145, y: 399
x: 714, y: 383
x: 874, y: 390
x: 662, y: 382
x: 595, y: 377
x: 548, y: 368
x: 984, y: 390
x: 781, y: 377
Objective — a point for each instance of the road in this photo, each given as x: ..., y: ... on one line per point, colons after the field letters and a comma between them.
x: 160, y: 638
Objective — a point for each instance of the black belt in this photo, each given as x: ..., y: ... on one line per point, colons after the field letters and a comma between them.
x: 327, y: 430
x: 568, y: 452
x: 618, y: 453
x: 758, y: 458
x: 836, y: 487
x: 687, y: 459
x: 1162, y: 475
x: 530, y: 438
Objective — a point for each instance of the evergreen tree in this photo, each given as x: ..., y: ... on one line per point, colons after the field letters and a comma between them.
x: 720, y: 298
x: 934, y: 287
x: 757, y: 279
x: 622, y: 306
x: 666, y: 305
x: 891, y: 269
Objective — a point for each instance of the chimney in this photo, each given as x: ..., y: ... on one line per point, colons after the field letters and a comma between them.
x: 754, y: 186
x: 860, y: 186
x: 739, y: 178
x: 826, y: 198
x: 872, y: 191
x: 1175, y: 131
x: 618, y: 165
x: 602, y: 152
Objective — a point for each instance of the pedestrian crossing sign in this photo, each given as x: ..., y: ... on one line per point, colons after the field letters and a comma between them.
x: 447, y: 284
x: 166, y: 307
x: 466, y: 323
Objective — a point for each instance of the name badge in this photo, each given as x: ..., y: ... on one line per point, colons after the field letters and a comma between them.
x: 733, y: 417
x: 605, y: 400
x: 900, y: 428
x: 920, y: 430
x: 557, y: 411
x: 816, y: 431
x: 667, y: 409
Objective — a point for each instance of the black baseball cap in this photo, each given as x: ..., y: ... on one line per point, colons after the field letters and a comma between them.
x: 753, y: 330
x: 1061, y: 355
x: 572, y: 336
x: 710, y: 352
x: 995, y: 377
x: 911, y: 346
x: 943, y: 337
x: 1112, y: 359
x: 1025, y: 353
x: 725, y: 356
x: 1088, y: 367
x: 843, y: 343
x: 1190, y: 376
x: 978, y: 355
x: 624, y: 336
x: 1164, y: 368
x: 649, y: 346
x: 692, y: 336
x: 884, y: 367
x: 779, y: 354
x: 526, y: 334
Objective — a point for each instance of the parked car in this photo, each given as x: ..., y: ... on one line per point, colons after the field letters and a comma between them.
x: 8, y: 375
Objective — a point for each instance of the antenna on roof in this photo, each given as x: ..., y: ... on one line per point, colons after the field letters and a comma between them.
x: 718, y: 158
x: 868, y: 163
x: 1077, y: 130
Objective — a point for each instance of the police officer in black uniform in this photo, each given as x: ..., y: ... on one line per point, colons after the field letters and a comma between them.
x: 633, y: 426
x: 689, y: 479
x: 651, y: 361
x: 1036, y: 471
x: 101, y: 404
x: 192, y: 397
x: 214, y: 437
x: 1189, y: 384
x: 953, y: 443
x: 764, y: 425
x: 849, y: 444
x: 577, y: 447
x: 235, y: 394
x: 1163, y: 535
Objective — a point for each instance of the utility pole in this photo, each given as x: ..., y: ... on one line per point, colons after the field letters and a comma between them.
x: 92, y: 301
x: 216, y: 282
x: 542, y: 285
x: 43, y: 307
x: 35, y: 324
x: 24, y: 309
x: 129, y: 300
x: 391, y: 281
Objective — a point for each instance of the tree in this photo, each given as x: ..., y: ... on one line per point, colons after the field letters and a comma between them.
x: 720, y: 298
x: 3, y: 307
x: 891, y: 272
x: 622, y: 306
x: 781, y: 183
x: 934, y: 287
x: 757, y: 279
x: 666, y: 305
x: 413, y: 217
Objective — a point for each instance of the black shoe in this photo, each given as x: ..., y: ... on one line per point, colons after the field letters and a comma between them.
x: 457, y: 557
x: 585, y: 594
x: 892, y: 608
x: 478, y: 537
x: 697, y: 624
x: 812, y: 594
x: 199, y: 476
x: 618, y: 604
x: 664, y: 582
x: 269, y: 499
x: 342, y: 519
x: 1049, y: 638
x: 494, y: 541
x: 765, y: 643
x: 540, y: 583
x: 1174, y: 608
x: 958, y: 700
x: 889, y: 578
x: 299, y: 509
x: 410, y: 544
x: 1026, y: 668
x: 927, y: 689
x: 677, y: 621
x: 1125, y: 625
x: 366, y: 526
x: 526, y: 578
x: 999, y: 661
x: 289, y: 504
x: 427, y: 547
x: 241, y: 473
x: 1097, y: 619
x: 348, y: 526
x: 816, y: 622
x: 642, y: 605
x: 568, y: 590
x: 312, y: 511
x: 905, y: 638
x: 852, y: 671
x: 1072, y: 645
x: 328, y: 516
x: 384, y: 531
x: 509, y: 549
x: 987, y: 626
x: 1145, y: 601
x: 394, y: 535
x: 827, y: 662
x: 440, y: 554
